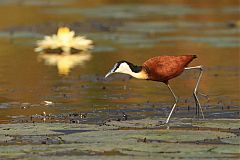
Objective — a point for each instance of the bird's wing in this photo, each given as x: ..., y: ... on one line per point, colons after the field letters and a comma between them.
x: 163, y: 68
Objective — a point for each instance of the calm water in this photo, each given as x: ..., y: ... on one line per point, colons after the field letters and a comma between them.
x: 120, y: 30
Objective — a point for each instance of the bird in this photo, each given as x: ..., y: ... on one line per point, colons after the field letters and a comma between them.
x: 162, y: 69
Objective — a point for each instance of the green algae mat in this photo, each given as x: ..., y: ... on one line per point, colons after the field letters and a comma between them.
x: 131, y: 139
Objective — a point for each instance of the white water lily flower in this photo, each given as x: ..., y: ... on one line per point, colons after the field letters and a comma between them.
x: 64, y: 40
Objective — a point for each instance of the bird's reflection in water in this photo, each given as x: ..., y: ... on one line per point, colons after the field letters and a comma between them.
x: 65, y: 62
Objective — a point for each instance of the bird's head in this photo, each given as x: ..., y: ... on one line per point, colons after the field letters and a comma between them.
x: 127, y: 68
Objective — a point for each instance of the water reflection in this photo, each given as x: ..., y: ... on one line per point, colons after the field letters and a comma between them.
x: 65, y: 62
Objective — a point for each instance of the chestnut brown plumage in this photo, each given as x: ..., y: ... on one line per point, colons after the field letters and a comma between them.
x: 161, y: 69
x: 164, y: 68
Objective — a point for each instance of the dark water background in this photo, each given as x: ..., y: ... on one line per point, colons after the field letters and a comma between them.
x: 121, y: 30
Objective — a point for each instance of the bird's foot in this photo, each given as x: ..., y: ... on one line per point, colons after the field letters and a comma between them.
x: 163, y: 123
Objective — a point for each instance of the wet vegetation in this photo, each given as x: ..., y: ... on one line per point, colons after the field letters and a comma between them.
x: 139, y: 139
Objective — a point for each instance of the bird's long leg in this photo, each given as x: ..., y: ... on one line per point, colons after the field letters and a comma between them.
x: 176, y: 100
x: 198, y: 106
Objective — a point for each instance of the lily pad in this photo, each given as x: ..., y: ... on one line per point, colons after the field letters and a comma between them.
x: 227, y: 150
x: 35, y: 2
x: 213, y: 41
x: 164, y: 27
x: 231, y: 10
x: 110, y: 142
x: 183, y: 135
x: 232, y: 31
x: 104, y: 48
x: 126, y: 40
x: 151, y: 27
x: 232, y: 140
x: 20, y: 34
x: 153, y: 135
x: 4, y: 138
x: 43, y: 128
x: 131, y: 11
x: 219, y: 123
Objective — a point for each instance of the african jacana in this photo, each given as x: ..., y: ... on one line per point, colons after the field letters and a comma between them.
x: 161, y: 69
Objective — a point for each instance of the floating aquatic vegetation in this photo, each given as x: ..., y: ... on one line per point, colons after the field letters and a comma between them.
x: 35, y: 2
x: 104, y: 48
x: 231, y: 10
x: 166, y: 27
x: 131, y: 11
x: 64, y: 62
x: 213, y: 41
x: 232, y: 140
x: 219, y: 123
x: 88, y: 140
x: 4, y: 138
x: 19, y: 34
x: 64, y: 41
x: 124, y: 39
x: 4, y: 105
x: 232, y: 31
x: 151, y: 27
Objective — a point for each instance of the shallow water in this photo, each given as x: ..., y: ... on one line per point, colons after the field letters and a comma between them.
x: 132, y: 31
